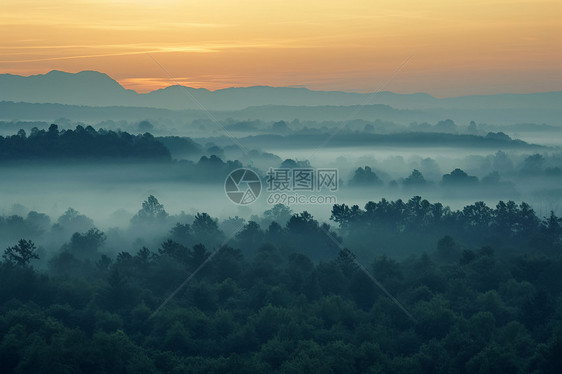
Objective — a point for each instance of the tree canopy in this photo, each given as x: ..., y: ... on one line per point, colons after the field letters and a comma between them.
x: 81, y: 143
x: 485, y: 296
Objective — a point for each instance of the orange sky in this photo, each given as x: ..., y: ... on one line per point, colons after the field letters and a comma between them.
x: 446, y: 48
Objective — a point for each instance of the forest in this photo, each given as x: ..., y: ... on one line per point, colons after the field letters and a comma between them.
x: 282, y: 187
x: 81, y: 143
x: 464, y: 291
x: 121, y: 253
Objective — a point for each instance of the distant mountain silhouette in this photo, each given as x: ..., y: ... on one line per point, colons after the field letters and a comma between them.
x: 22, y: 111
x: 84, y: 88
x: 413, y: 139
x: 92, y: 88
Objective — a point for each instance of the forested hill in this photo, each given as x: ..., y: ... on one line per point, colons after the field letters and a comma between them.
x: 261, y: 304
x: 415, y: 138
x: 81, y: 143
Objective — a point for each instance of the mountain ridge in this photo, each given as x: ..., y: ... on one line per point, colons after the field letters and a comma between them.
x: 93, y: 88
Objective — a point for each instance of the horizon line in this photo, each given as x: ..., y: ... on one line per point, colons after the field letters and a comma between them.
x: 271, y: 86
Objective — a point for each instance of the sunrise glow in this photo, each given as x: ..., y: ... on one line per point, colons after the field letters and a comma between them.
x: 445, y: 48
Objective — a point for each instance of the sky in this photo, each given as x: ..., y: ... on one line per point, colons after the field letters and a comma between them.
x: 445, y: 48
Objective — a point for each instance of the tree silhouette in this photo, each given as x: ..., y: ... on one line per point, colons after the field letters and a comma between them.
x: 365, y: 177
x: 533, y: 164
x: 73, y: 221
x: 302, y: 223
x: 415, y: 179
x: 279, y: 213
x: 81, y: 143
x: 204, y: 223
x: 21, y: 254
x: 181, y: 233
x: 206, y: 230
x: 151, y: 210
x: 459, y: 178
x: 87, y: 244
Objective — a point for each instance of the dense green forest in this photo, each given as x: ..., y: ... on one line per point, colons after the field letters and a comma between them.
x: 482, y: 285
x: 81, y: 143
